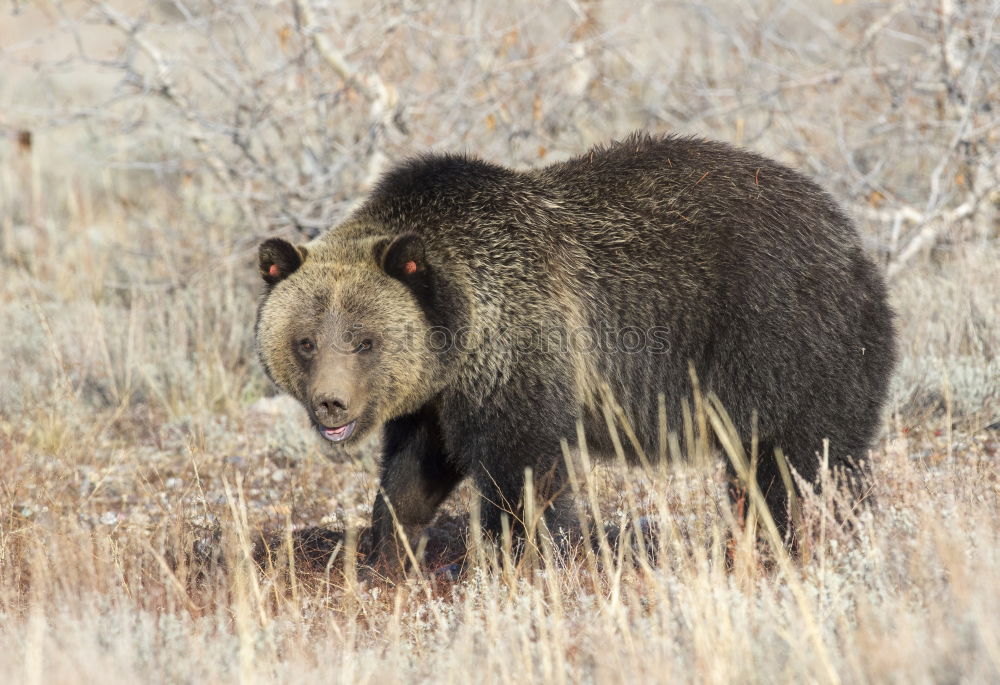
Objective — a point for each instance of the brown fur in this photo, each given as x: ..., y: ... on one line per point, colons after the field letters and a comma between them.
x: 338, y: 296
x: 717, y: 258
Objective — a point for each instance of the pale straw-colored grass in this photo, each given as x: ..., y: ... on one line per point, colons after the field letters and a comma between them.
x: 142, y: 456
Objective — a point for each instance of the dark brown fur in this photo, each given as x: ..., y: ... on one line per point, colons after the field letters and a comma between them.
x: 716, y: 257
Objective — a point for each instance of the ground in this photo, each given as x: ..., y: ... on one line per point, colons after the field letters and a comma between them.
x: 165, y: 517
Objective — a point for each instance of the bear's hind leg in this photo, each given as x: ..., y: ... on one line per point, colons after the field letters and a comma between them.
x: 772, y: 487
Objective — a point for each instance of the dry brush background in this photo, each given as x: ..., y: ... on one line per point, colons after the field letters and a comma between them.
x: 146, y: 147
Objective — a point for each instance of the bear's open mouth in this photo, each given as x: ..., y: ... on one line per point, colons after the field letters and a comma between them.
x: 340, y: 433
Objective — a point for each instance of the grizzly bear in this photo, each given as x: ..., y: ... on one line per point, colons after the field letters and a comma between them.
x: 475, y: 315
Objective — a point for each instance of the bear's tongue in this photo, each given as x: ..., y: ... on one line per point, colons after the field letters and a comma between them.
x: 341, y: 433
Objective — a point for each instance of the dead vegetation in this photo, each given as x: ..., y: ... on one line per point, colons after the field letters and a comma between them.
x: 145, y: 148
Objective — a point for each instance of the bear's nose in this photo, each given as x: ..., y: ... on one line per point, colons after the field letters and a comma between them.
x: 331, y: 411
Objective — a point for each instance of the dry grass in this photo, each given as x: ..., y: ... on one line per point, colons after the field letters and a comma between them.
x: 142, y: 456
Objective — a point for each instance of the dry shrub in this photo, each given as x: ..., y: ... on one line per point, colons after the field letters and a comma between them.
x: 145, y: 148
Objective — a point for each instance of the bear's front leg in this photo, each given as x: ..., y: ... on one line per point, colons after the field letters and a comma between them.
x: 416, y: 477
x: 503, y: 498
x: 517, y: 428
x: 499, y: 473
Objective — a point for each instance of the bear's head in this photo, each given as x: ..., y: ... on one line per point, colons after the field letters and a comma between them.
x: 357, y: 328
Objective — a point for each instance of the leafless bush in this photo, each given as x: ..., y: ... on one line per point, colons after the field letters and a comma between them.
x: 145, y: 147
x: 295, y: 106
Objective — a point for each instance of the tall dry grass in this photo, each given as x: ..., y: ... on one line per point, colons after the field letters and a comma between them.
x: 143, y: 455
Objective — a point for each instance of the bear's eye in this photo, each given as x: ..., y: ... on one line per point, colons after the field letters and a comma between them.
x: 306, y: 347
x: 365, y: 346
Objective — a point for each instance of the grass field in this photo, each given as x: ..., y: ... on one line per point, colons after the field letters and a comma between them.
x: 143, y: 455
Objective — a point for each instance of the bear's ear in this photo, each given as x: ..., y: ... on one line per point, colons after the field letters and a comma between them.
x: 402, y: 257
x: 279, y: 259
